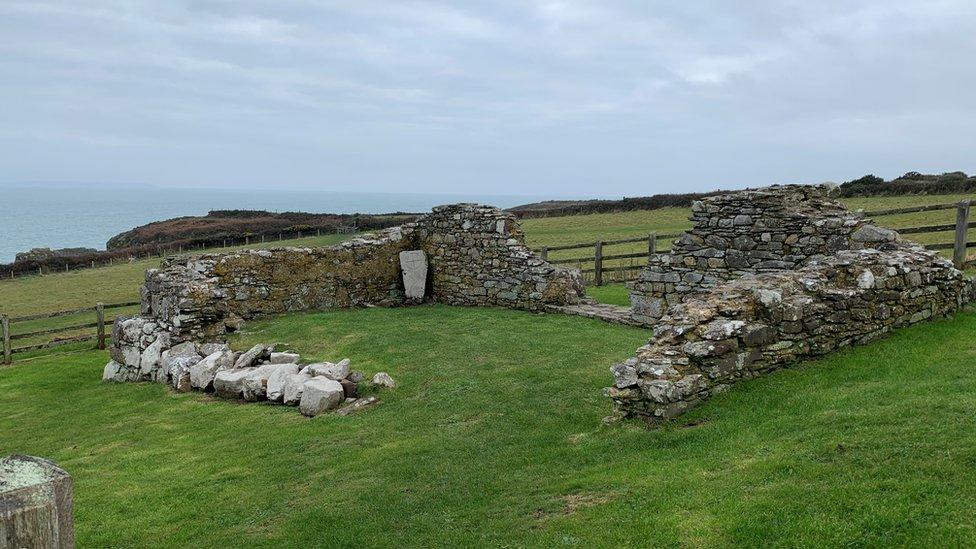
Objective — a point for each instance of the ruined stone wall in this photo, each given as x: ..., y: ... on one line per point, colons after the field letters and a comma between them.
x: 477, y: 256
x: 743, y: 328
x: 759, y: 230
x: 201, y: 296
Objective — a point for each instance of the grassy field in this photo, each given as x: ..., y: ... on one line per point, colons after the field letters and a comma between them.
x: 494, y: 439
x: 493, y: 436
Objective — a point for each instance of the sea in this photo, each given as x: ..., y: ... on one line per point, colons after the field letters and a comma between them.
x: 70, y: 216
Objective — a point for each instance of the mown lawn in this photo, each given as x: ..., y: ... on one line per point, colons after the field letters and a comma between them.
x: 494, y: 438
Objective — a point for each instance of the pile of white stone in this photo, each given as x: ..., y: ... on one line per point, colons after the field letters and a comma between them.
x: 263, y: 374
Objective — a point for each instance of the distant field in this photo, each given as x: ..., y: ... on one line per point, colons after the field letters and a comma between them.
x: 120, y: 283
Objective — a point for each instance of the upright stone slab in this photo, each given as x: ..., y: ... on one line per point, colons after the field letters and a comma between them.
x: 414, y: 266
x: 35, y: 504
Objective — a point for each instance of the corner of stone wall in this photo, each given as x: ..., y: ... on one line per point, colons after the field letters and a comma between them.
x: 746, y: 327
x: 477, y: 256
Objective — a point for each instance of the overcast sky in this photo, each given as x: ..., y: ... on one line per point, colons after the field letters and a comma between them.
x: 561, y: 98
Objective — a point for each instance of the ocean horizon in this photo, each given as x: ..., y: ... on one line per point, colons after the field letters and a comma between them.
x: 68, y: 216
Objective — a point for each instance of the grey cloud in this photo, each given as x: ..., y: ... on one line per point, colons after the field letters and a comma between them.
x: 546, y: 97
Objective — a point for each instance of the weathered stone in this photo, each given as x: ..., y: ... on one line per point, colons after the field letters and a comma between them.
x: 356, y: 376
x: 278, y: 379
x: 177, y: 370
x: 230, y: 383
x: 356, y: 405
x: 255, y: 386
x: 252, y: 356
x: 624, y: 375
x: 208, y: 349
x: 757, y: 230
x: 185, y: 349
x: 35, y: 504
x: 320, y: 394
x: 874, y: 234
x: 294, y: 386
x: 865, y: 280
x: 413, y: 263
x: 330, y: 370
x: 383, y: 379
x: 149, y: 362
x: 285, y: 358
x: 111, y: 370
x: 202, y: 373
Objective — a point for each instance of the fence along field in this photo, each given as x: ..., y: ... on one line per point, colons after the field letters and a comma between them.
x: 604, y: 264
x: 98, y: 335
x: 599, y: 268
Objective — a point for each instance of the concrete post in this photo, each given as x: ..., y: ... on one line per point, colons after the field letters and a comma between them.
x: 35, y: 504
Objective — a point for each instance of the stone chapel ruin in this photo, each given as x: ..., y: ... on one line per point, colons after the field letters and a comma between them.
x: 765, y: 278
x: 462, y: 254
x: 768, y: 277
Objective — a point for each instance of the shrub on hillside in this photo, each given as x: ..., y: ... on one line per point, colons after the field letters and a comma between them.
x: 910, y: 183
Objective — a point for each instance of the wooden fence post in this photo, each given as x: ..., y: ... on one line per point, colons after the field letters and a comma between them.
x: 651, y: 245
x: 544, y: 253
x: 5, y: 326
x: 100, y: 316
x: 598, y: 264
x: 962, y: 222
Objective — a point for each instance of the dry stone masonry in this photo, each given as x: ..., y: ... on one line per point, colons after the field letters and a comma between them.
x: 766, y: 278
x: 764, y: 281
x: 462, y: 254
x: 753, y: 231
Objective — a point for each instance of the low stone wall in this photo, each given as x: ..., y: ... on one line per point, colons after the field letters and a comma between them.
x: 201, y: 297
x: 476, y: 256
x: 743, y: 328
x: 757, y: 230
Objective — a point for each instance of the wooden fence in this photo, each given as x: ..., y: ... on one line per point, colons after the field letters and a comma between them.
x: 959, y: 245
x: 99, y: 325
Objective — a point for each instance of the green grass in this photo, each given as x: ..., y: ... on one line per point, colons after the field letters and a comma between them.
x: 612, y: 294
x: 493, y: 437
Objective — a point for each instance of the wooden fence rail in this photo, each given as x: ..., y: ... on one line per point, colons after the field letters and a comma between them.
x: 99, y: 324
x: 912, y: 209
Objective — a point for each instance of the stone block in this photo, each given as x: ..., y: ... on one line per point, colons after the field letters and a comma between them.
x: 413, y: 264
